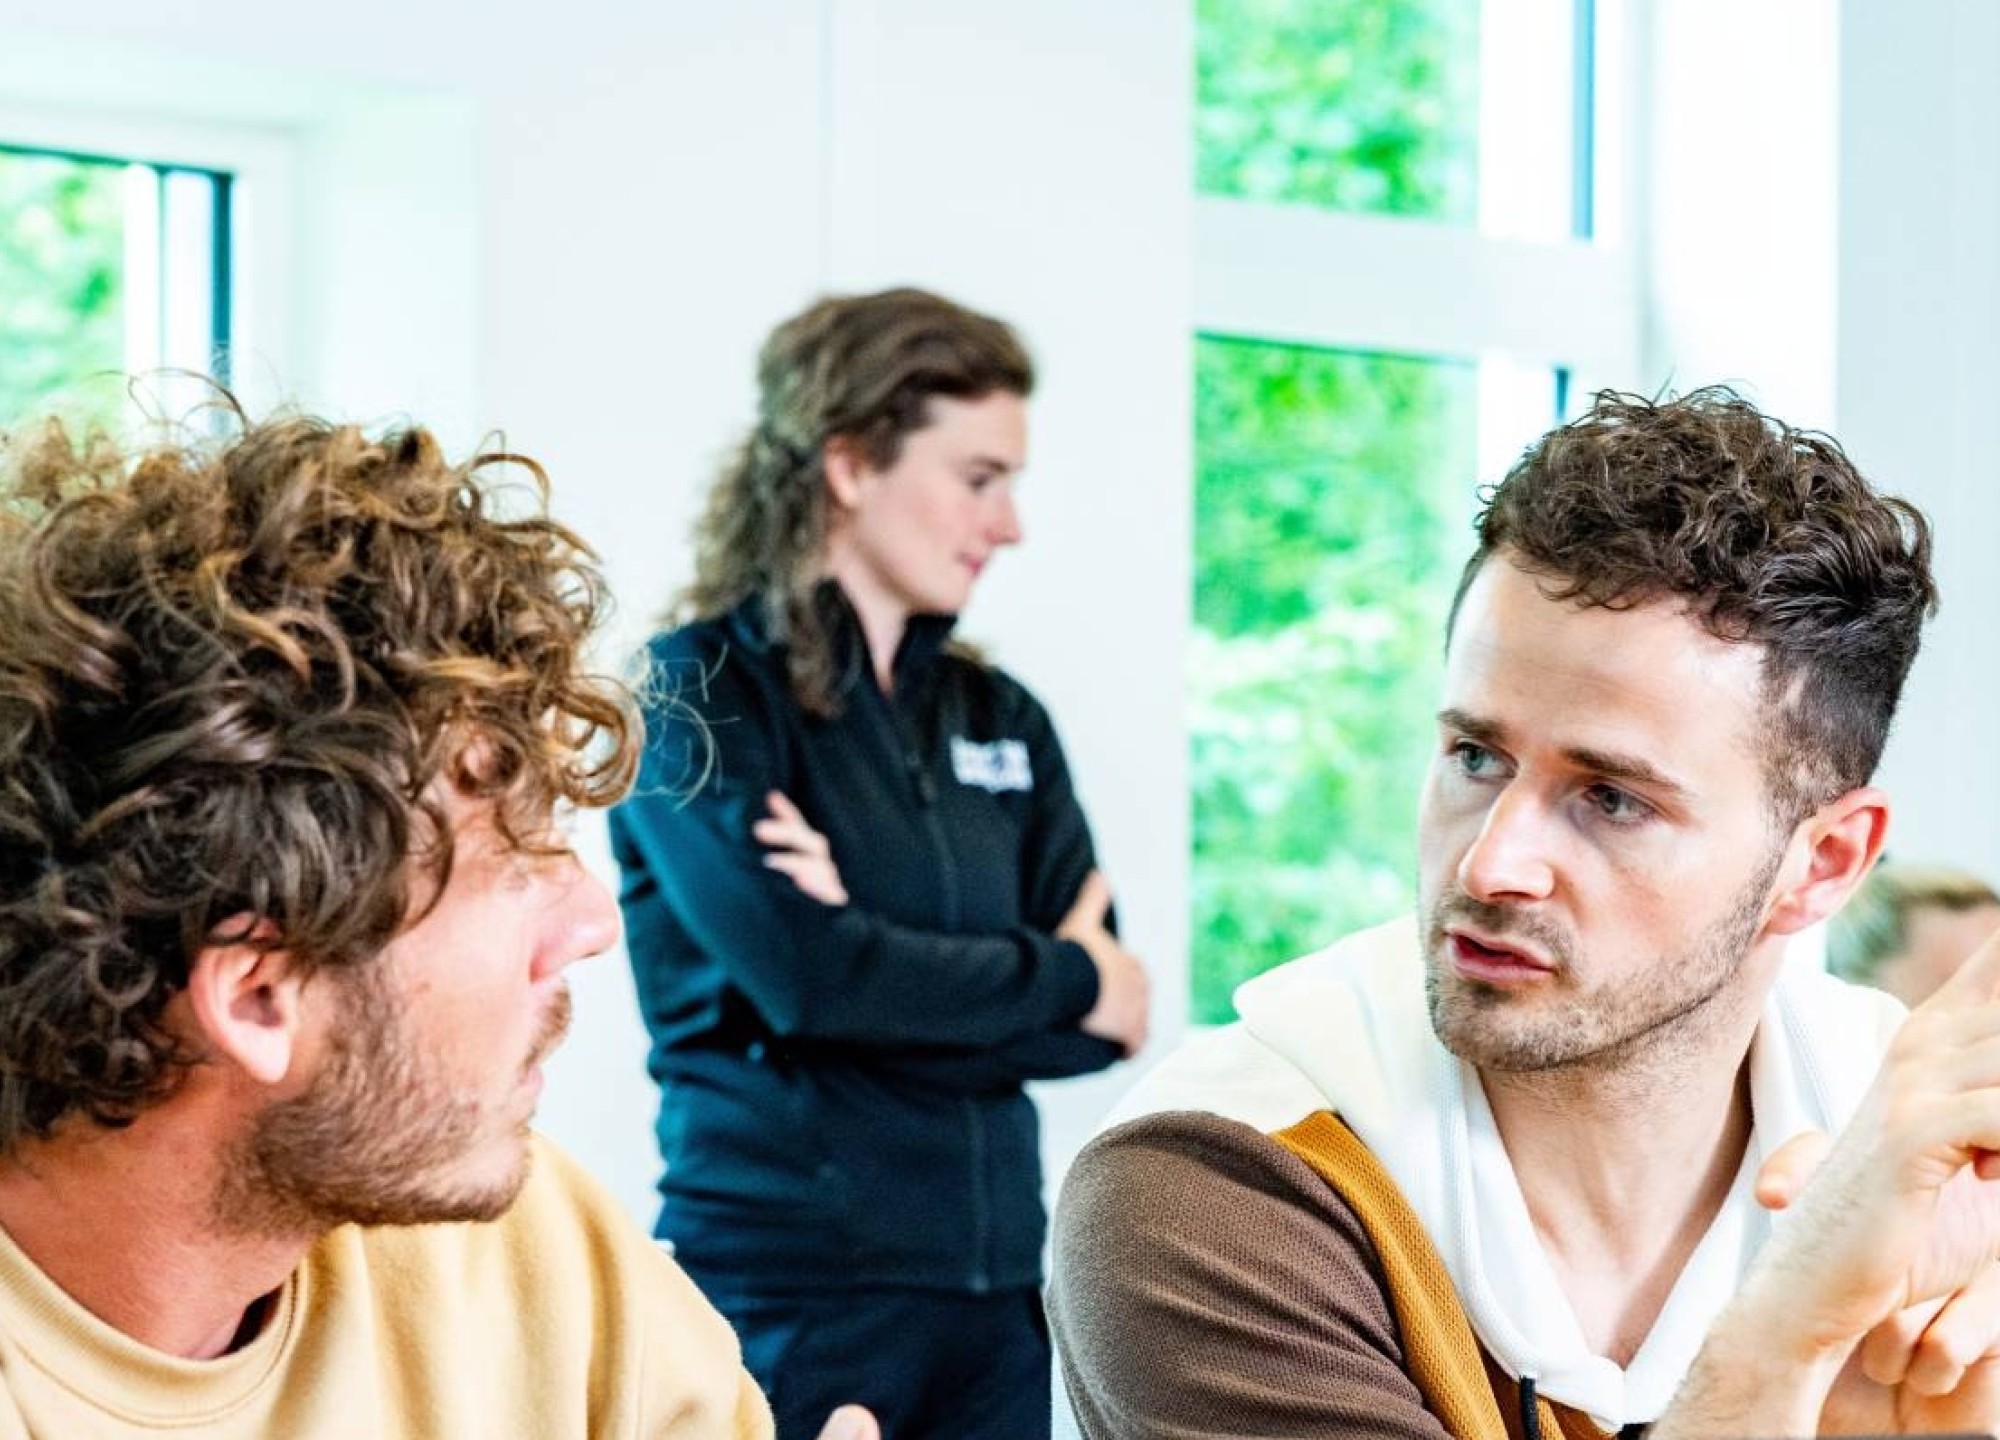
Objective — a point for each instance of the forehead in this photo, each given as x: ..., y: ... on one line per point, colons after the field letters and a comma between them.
x: 995, y: 427
x: 1648, y: 681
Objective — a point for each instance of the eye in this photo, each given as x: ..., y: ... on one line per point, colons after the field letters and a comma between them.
x: 980, y: 480
x: 1617, y: 806
x: 1473, y: 760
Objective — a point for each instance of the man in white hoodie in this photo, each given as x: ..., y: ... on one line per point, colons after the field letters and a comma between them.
x: 1508, y: 1167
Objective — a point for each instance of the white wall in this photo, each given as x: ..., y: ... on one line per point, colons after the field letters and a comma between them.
x: 1919, y: 366
x: 1739, y: 200
x: 577, y: 225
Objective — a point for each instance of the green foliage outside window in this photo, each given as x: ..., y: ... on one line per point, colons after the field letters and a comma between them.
x: 1367, y: 106
x: 1333, y: 504
x: 62, y: 258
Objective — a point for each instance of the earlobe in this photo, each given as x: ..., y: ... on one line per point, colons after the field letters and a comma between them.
x: 1843, y: 839
x: 246, y: 1000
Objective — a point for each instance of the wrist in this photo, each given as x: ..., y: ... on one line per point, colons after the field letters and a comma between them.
x: 1759, y: 1372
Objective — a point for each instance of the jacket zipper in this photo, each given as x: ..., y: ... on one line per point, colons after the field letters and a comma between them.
x: 909, y: 744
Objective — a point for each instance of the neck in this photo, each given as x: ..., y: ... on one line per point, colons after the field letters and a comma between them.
x: 1625, y: 1168
x: 124, y: 1221
x: 882, y: 616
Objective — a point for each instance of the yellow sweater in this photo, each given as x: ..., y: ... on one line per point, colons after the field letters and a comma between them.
x: 559, y: 1320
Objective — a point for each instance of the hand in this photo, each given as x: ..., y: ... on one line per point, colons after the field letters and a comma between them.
x: 1932, y: 1367
x: 799, y: 851
x: 1898, y: 1213
x: 851, y: 1422
x: 1123, y: 993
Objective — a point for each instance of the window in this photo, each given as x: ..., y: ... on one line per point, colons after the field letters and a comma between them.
x: 1396, y: 289
x: 108, y: 268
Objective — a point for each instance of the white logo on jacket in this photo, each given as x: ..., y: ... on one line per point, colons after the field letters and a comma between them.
x: 994, y: 766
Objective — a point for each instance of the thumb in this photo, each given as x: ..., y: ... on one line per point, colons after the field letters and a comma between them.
x: 1780, y: 1178
x: 851, y: 1422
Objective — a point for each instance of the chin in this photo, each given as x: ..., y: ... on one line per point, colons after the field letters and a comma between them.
x: 492, y: 1193
x: 483, y: 1186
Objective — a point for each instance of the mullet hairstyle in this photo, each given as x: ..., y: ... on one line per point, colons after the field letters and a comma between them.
x: 1769, y: 535
x: 232, y: 671
x: 861, y: 369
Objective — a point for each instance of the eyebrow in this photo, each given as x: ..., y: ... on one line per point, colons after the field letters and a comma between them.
x: 1629, y: 769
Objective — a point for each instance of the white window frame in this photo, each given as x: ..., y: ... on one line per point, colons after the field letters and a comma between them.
x: 1298, y: 275
x: 261, y: 166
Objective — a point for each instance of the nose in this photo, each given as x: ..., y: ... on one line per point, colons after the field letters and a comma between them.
x: 1004, y: 527
x: 585, y: 916
x: 1509, y: 858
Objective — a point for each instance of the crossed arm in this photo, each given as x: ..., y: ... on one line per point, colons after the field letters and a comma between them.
x: 795, y: 849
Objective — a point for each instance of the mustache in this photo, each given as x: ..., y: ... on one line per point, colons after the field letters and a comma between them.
x: 554, y: 1026
x: 1500, y: 922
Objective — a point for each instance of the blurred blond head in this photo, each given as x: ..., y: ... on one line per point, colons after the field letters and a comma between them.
x: 1910, y: 926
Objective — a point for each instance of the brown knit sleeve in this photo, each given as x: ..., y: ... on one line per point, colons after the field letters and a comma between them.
x: 1208, y: 1284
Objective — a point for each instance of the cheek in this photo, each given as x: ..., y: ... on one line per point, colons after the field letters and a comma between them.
x: 1441, y: 827
x: 919, y: 531
x: 1450, y: 810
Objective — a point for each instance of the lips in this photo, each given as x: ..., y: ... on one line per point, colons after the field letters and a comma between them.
x: 1476, y: 958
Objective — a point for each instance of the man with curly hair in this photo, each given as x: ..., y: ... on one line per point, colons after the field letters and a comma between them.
x: 1497, y: 1169
x: 290, y: 721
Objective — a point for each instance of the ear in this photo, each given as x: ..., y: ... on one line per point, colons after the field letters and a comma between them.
x: 246, y: 1000
x: 1839, y: 843
x: 845, y: 466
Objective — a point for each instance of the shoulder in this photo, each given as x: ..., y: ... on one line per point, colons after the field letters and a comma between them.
x: 713, y: 693
x: 1230, y: 1073
x: 1185, y: 1234
x: 993, y: 698
x: 1189, y: 1207
x: 694, y: 665
x: 1192, y: 1170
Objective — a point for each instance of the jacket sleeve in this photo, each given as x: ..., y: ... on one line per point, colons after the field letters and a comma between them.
x: 1057, y: 854
x: 814, y: 970
x: 1208, y: 1285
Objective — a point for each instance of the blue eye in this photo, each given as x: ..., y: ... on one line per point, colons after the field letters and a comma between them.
x: 1473, y: 760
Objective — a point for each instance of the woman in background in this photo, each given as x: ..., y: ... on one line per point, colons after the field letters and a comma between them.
x: 860, y: 898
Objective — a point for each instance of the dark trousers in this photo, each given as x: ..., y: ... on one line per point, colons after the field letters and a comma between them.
x: 931, y: 1365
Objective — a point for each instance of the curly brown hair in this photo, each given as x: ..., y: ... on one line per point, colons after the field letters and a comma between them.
x: 232, y: 670
x: 1771, y: 536
x: 862, y: 368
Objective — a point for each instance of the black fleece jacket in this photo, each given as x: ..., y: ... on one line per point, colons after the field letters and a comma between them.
x: 842, y: 1099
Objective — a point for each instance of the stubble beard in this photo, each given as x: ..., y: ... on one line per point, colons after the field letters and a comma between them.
x: 1668, y: 1002
x: 376, y: 1136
